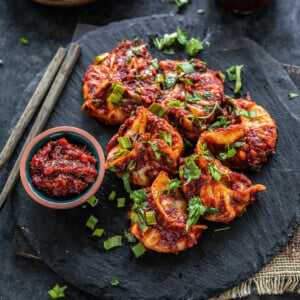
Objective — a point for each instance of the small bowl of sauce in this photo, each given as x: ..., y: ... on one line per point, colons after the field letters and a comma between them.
x: 62, y: 167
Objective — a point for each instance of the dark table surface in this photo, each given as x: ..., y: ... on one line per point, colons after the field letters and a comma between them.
x: 276, y: 28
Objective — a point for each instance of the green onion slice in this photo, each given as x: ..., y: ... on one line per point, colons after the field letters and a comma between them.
x: 91, y: 222
x: 114, y: 282
x: 186, y: 67
x: 139, y: 250
x: 112, y: 196
x: 93, y: 201
x: 98, y: 232
x: 116, y: 95
x: 125, y: 142
x: 150, y: 217
x: 157, y: 110
x: 121, y: 202
x: 113, y: 242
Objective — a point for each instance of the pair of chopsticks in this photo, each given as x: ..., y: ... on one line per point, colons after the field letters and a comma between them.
x: 53, y: 82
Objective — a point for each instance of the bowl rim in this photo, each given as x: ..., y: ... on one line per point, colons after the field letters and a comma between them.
x: 70, y: 204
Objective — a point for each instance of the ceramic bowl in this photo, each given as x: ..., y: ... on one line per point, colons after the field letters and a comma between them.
x: 73, y: 135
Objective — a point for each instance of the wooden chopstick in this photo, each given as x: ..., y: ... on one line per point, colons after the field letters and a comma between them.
x: 43, y: 115
x: 32, y: 105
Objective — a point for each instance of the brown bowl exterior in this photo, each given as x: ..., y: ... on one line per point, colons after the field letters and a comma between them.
x: 63, y: 205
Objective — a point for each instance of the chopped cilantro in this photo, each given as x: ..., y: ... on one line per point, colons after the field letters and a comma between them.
x: 114, y: 282
x: 222, y: 122
x: 173, y: 184
x: 155, y: 149
x: 195, y: 209
x: 214, y: 172
x: 212, y: 211
x: 191, y: 170
x: 57, y: 292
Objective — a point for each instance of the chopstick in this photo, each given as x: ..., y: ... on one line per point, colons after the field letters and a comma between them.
x: 43, y: 115
x: 32, y: 106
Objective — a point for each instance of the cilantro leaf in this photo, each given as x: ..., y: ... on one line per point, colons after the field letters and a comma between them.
x: 195, y: 209
x: 191, y: 171
x: 173, y: 184
x: 57, y: 292
x: 181, y: 36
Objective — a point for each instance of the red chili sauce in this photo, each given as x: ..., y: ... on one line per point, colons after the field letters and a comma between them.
x: 62, y: 170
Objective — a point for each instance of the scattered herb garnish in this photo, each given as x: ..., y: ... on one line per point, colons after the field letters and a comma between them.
x: 93, y: 201
x: 291, y: 95
x: 139, y: 250
x: 114, y: 282
x: 166, y: 137
x: 173, y: 184
x: 113, y: 242
x: 231, y: 150
x: 170, y: 80
x: 125, y: 142
x: 57, y: 292
x: 195, y: 209
x: 212, y: 211
x: 222, y: 229
x: 125, y: 178
x: 116, y: 95
x: 174, y: 103
x: 169, y: 51
x: 1, y: 62
x: 234, y: 73
x: 98, y: 232
x: 191, y: 170
x: 155, y: 149
x: 150, y: 217
x: 243, y: 112
x: 222, y: 122
x: 214, y: 171
x: 131, y: 165
x: 194, y: 46
x: 201, y: 11
x: 112, y: 196
x: 157, y: 110
x: 101, y: 57
x: 139, y: 203
x: 186, y: 67
x: 181, y: 36
x: 166, y: 41
x: 121, y: 202
x: 180, y: 3
x: 91, y: 222
x: 24, y: 41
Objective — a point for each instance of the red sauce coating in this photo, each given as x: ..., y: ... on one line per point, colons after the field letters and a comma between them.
x: 62, y: 170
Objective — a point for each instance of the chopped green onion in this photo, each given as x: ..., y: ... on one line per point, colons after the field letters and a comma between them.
x: 1, y: 62
x: 166, y: 137
x: 24, y: 41
x: 166, y: 41
x: 157, y: 110
x: 116, y: 95
x: 121, y: 202
x: 170, y: 80
x: 139, y: 250
x: 155, y: 149
x: 180, y: 3
x: 169, y: 51
x: 212, y: 211
x: 160, y: 78
x: 238, y: 83
x: 174, y: 103
x: 193, y: 46
x: 114, y: 282
x: 187, y: 81
x: 201, y: 11
x: 98, y: 232
x: 243, y: 112
x: 221, y: 75
x: 131, y: 165
x: 113, y: 242
x: 125, y: 142
x: 101, y: 57
x: 91, y: 222
x: 57, y: 292
x: 154, y: 63
x: 150, y: 217
x: 181, y: 36
x: 93, y: 201
x: 112, y: 196
x: 186, y: 67
x: 125, y: 178
x: 291, y: 95
x: 222, y: 229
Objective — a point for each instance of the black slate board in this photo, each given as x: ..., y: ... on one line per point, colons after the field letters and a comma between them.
x: 220, y: 260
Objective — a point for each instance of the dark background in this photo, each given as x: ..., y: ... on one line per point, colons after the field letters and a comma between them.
x: 276, y: 28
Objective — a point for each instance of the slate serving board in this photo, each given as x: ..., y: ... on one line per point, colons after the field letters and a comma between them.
x: 220, y: 260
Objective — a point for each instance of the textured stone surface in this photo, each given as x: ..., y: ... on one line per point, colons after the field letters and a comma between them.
x: 219, y: 261
x: 276, y: 28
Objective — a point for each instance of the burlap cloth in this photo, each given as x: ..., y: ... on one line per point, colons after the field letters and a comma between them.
x: 282, y: 274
